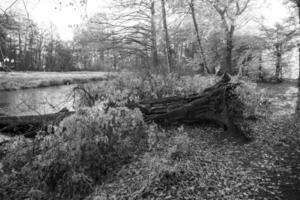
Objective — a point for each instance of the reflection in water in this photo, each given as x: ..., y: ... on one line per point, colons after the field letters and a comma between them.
x: 36, y: 101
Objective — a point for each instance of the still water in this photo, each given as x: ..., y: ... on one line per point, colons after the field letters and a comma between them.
x: 36, y: 101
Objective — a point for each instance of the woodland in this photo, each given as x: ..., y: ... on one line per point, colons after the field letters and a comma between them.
x: 200, y: 104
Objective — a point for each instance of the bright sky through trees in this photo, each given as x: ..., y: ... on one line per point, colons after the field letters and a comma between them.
x: 45, y: 11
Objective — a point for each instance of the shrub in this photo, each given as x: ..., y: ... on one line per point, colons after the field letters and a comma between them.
x: 156, y: 137
x: 95, y: 141
x: 181, y: 145
x: 87, y: 148
x: 132, y: 89
x: 255, y: 103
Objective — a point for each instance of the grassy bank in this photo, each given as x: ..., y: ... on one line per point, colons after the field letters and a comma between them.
x: 25, y: 80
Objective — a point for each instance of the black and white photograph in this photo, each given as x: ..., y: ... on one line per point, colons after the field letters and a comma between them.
x: 149, y: 99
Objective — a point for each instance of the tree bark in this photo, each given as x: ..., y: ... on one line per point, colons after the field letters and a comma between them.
x: 298, y: 6
x: 30, y: 125
x: 278, y: 73
x: 299, y: 64
x: 217, y: 104
x: 168, y: 47
x: 229, y: 48
x: 153, y: 36
x: 20, y: 56
x: 40, y: 49
x: 202, y: 54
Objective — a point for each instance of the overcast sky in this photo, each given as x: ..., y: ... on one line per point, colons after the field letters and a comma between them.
x: 45, y: 11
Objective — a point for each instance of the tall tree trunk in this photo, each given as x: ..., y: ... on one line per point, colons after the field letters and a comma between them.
x: 102, y: 55
x: 278, y: 73
x: 202, y: 54
x: 298, y: 6
x: 229, y: 48
x: 25, y: 61
x: 299, y: 64
x: 260, y: 68
x: 115, y: 62
x: 168, y: 47
x: 40, y: 49
x: 153, y: 36
x: 20, y: 56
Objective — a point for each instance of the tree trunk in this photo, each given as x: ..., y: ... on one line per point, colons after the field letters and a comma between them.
x: 278, y: 73
x: 168, y: 47
x: 40, y: 49
x: 202, y: 54
x: 153, y: 37
x: 299, y: 64
x: 217, y: 104
x: 298, y: 6
x: 30, y: 125
x: 260, y: 68
x: 229, y: 48
x: 20, y: 56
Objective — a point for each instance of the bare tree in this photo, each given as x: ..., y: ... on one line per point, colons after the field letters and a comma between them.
x: 153, y: 38
x: 5, y: 10
x: 296, y: 3
x: 167, y: 40
x: 279, y: 41
x: 229, y: 11
x: 130, y: 29
x: 202, y: 54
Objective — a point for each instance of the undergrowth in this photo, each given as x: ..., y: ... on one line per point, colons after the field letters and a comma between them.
x: 102, y: 143
x: 88, y: 147
x: 204, y: 165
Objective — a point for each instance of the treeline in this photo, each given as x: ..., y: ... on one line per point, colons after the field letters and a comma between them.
x: 199, y: 36
x: 25, y: 46
x: 193, y: 36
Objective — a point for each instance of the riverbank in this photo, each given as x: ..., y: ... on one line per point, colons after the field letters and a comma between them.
x: 113, y: 154
x: 26, y: 80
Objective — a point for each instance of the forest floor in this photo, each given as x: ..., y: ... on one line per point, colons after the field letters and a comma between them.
x: 208, y: 165
x: 24, y: 80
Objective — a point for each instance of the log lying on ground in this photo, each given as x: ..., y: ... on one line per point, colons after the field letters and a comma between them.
x: 218, y: 104
x: 30, y: 124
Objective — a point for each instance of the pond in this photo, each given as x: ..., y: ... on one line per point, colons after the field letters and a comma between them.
x: 36, y: 101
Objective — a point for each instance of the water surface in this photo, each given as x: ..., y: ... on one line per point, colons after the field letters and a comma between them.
x: 36, y: 101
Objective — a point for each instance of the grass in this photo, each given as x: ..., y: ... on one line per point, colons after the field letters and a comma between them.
x: 25, y: 80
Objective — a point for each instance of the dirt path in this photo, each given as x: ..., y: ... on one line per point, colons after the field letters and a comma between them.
x: 283, y: 97
x: 286, y: 176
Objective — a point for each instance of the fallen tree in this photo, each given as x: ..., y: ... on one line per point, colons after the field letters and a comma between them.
x: 30, y: 124
x: 218, y: 104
